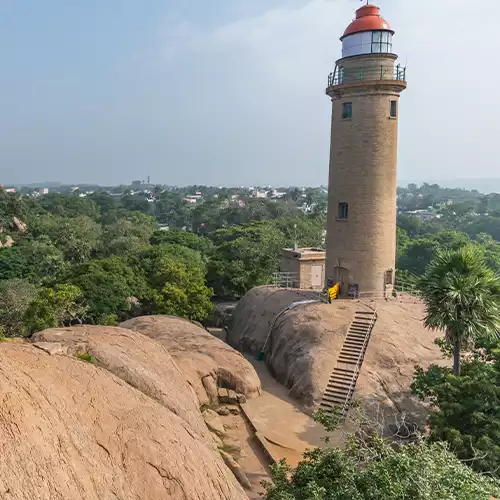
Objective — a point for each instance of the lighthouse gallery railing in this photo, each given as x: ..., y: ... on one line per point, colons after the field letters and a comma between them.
x: 344, y: 75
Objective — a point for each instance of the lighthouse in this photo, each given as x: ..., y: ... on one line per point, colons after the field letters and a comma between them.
x: 364, y: 89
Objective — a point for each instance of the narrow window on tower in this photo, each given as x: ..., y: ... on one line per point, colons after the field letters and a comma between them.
x: 347, y: 111
x: 343, y: 211
x: 394, y: 109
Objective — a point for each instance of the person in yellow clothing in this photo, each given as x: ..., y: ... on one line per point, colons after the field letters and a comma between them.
x: 333, y: 292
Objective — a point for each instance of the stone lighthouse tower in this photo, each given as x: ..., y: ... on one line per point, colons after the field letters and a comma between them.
x: 364, y: 89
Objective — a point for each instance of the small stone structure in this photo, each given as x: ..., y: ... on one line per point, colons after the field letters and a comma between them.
x: 302, y: 268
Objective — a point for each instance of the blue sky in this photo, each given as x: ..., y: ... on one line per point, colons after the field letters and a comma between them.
x: 230, y: 92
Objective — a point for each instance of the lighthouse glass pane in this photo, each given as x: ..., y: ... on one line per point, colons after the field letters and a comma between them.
x: 356, y: 44
x: 381, y: 42
x: 366, y: 41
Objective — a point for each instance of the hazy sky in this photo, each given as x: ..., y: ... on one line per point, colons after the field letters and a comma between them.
x: 231, y: 91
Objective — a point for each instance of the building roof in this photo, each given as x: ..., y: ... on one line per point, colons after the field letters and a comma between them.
x: 368, y: 18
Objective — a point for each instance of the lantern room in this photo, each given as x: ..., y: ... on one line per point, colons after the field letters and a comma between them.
x: 369, y: 33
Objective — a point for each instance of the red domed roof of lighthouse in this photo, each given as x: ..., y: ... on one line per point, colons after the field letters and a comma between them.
x: 368, y: 18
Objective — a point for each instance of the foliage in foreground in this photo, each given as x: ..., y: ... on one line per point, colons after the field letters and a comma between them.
x: 462, y: 297
x: 466, y: 409
x: 377, y: 470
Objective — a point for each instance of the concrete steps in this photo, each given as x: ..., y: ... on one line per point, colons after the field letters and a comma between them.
x: 342, y: 381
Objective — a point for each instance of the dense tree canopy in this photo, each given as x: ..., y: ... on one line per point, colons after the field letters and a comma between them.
x: 466, y: 410
x: 375, y: 469
x: 107, y: 287
x: 176, y: 275
x: 95, y: 240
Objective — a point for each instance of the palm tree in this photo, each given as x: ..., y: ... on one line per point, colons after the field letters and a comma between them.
x: 462, y: 296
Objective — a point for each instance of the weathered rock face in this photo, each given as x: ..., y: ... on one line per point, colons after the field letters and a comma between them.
x: 7, y: 243
x: 18, y: 225
x: 254, y: 314
x: 72, y: 430
x: 305, y: 342
x: 136, y: 359
x: 206, y: 362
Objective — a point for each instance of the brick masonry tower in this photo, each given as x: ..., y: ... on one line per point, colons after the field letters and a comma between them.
x: 364, y: 89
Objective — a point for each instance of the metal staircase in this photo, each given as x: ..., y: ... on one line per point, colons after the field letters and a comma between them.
x: 342, y: 382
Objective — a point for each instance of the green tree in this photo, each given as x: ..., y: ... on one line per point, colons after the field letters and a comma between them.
x: 375, y: 469
x: 491, y: 250
x: 15, y: 297
x: 402, y: 241
x: 77, y: 237
x: 205, y: 218
x: 411, y: 224
x: 33, y: 259
x: 183, y: 238
x: 11, y: 205
x: 55, y: 307
x: 107, y: 205
x: 108, y: 286
x: 176, y: 275
x: 137, y: 203
x: 305, y: 230
x: 173, y: 210
x: 68, y: 206
x: 245, y: 257
x: 486, y: 224
x: 462, y: 297
x: 421, y: 251
x: 466, y: 409
x: 129, y: 233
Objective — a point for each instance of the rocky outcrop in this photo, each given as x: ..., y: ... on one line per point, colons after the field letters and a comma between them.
x: 304, y: 344
x: 206, y: 362
x: 18, y: 225
x: 254, y: 315
x: 136, y: 359
x: 7, y: 243
x: 72, y: 429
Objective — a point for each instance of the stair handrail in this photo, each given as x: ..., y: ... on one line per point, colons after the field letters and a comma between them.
x: 291, y: 306
x: 357, y: 370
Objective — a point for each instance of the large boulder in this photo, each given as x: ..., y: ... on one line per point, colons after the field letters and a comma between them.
x: 18, y: 225
x: 136, y: 359
x: 206, y: 362
x: 72, y: 430
x: 254, y: 315
x: 302, y: 346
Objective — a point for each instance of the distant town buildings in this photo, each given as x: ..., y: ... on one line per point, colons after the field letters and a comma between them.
x: 423, y: 215
x: 194, y: 198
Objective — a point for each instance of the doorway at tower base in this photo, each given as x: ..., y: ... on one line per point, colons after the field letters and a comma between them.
x: 345, y: 289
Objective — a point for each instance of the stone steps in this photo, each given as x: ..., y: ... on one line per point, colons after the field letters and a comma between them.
x: 338, y: 391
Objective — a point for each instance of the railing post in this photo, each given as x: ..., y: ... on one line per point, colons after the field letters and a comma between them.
x: 381, y: 72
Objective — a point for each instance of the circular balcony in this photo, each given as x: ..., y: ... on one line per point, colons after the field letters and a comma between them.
x: 343, y: 76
